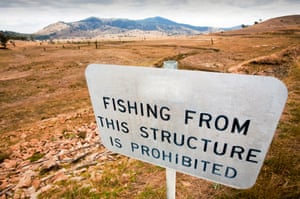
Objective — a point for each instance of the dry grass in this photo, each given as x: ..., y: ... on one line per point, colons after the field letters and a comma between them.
x: 41, y: 81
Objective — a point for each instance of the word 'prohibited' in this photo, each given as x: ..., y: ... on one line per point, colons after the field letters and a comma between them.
x: 210, y: 125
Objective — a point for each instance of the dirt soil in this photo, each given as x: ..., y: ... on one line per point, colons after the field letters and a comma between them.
x: 49, y: 140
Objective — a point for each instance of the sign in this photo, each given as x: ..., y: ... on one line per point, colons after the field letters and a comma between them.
x: 210, y: 125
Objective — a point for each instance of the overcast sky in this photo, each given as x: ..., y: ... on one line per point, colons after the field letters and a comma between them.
x: 29, y: 16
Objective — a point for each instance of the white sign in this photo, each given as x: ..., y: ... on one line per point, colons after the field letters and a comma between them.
x: 210, y: 125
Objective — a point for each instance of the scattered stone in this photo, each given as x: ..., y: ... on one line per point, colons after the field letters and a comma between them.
x: 44, y: 189
x: 77, y: 152
x: 59, y: 176
x: 31, y: 192
x: 9, y: 164
x: 26, y: 180
x: 3, y: 184
x: 49, y: 166
x: 186, y: 184
x: 36, y: 184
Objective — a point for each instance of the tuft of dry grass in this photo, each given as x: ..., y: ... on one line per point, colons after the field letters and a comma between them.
x: 40, y: 82
x: 279, y: 177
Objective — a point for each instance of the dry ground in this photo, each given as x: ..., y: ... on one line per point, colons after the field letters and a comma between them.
x: 40, y: 83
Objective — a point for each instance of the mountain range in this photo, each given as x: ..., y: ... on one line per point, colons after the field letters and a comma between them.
x: 93, y: 27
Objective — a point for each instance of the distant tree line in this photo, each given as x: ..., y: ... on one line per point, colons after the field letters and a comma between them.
x: 255, y: 22
x: 5, y: 36
x: 3, y: 39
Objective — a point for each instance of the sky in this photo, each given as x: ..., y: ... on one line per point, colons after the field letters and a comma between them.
x: 29, y: 16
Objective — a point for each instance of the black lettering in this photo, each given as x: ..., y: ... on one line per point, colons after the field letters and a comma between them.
x: 165, y: 135
x: 115, y: 142
x: 236, y: 126
x: 205, y: 163
x: 216, y: 148
x: 111, y: 141
x: 134, y: 146
x: 189, y: 142
x: 118, y: 125
x: 155, y: 153
x: 154, y: 132
x: 121, y: 105
x: 186, y: 161
x: 152, y: 111
x: 125, y: 128
x: 176, y: 158
x: 205, y: 143
x: 169, y: 156
x: 101, y: 120
x: 114, y: 104
x: 187, y: 116
x: 218, y: 123
x: 144, y: 132
x: 132, y: 108
x: 109, y: 122
x: 142, y: 109
x: 238, y: 150
x: 105, y: 101
x: 118, y: 143
x: 196, y: 164
x: 216, y: 168
x: 250, y: 155
x: 145, y: 150
x: 230, y: 172
x: 177, y: 142
x: 205, y: 117
x: 163, y: 115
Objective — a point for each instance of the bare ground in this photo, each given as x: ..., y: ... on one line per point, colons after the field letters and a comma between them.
x: 46, y: 117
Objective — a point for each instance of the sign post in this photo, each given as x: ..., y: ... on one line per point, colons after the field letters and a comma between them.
x: 171, y: 173
x: 214, y: 126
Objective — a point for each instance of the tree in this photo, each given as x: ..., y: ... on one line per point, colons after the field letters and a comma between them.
x: 3, y: 39
x: 244, y: 26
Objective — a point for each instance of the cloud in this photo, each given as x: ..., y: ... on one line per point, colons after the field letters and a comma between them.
x: 35, y: 14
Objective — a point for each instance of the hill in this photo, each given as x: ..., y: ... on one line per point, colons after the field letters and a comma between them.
x: 17, y: 36
x: 93, y: 27
x: 49, y: 143
x: 49, y: 139
x: 284, y: 24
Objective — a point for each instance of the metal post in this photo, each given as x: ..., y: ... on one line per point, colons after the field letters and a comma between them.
x: 171, y: 173
x: 170, y: 64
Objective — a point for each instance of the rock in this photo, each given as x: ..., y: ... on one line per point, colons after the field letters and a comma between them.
x: 36, y: 184
x: 124, y: 178
x: 93, y: 126
x: 26, y: 180
x: 62, y: 120
x: 78, y: 178
x: 48, y: 166
x: 10, y: 164
x: 59, y: 176
x: 34, y: 141
x: 23, y: 135
x: 14, y: 179
x: 78, y: 172
x: 186, y: 184
x: 3, y: 184
x: 31, y: 192
x: 3, y: 196
x: 44, y: 189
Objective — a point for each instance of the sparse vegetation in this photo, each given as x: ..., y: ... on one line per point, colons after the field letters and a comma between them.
x: 3, y: 156
x: 37, y: 84
x: 279, y: 176
x: 36, y: 156
x: 3, y: 39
